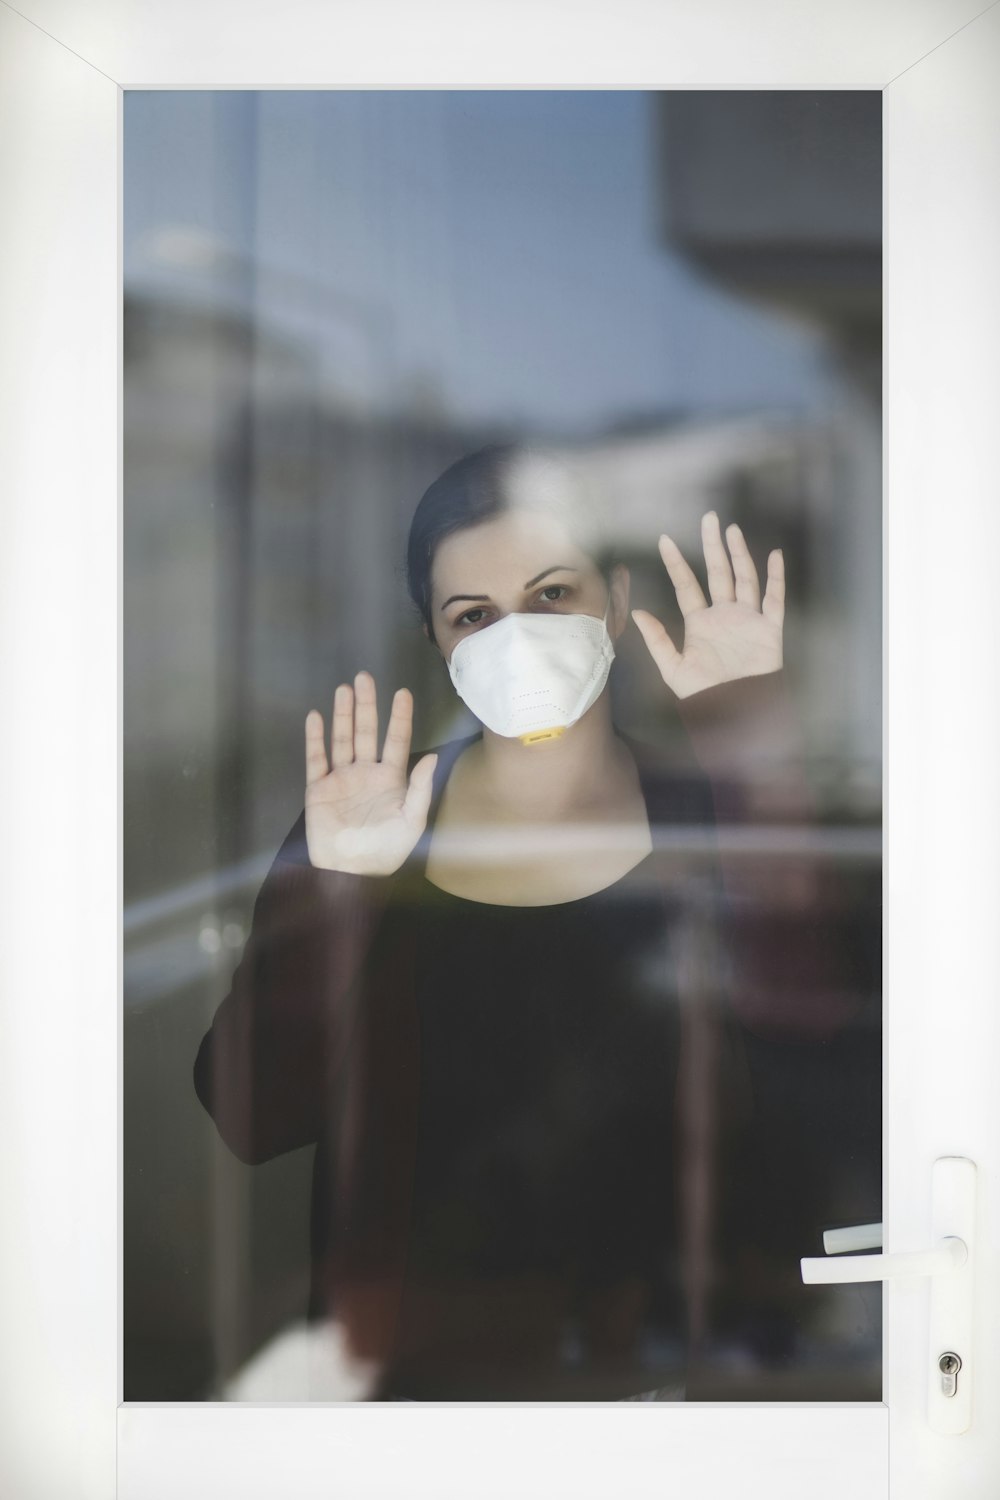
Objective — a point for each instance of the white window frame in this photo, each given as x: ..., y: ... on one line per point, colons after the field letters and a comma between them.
x: 63, y: 66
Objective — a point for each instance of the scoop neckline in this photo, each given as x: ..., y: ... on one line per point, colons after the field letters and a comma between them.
x: 538, y: 905
x: 442, y: 775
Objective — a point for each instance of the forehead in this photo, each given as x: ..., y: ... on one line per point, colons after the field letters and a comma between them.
x: 503, y: 552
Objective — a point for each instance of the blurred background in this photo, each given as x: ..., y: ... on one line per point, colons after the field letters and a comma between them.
x: 328, y: 297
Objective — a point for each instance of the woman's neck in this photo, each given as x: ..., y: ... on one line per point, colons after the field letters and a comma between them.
x: 585, y: 767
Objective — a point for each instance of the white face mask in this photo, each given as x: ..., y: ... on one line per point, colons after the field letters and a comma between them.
x: 533, y: 675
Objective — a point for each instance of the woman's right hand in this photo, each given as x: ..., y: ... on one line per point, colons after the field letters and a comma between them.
x: 361, y: 816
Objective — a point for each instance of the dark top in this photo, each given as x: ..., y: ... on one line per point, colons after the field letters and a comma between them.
x: 518, y: 1112
x: 544, y: 1183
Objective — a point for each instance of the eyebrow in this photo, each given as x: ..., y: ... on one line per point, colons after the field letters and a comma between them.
x: 556, y: 568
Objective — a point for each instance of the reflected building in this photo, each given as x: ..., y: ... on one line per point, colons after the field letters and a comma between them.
x: 776, y: 196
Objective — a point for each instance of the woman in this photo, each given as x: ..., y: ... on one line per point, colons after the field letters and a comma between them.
x: 470, y: 981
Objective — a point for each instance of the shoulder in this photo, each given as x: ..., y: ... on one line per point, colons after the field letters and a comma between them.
x: 293, y: 849
x: 676, y: 791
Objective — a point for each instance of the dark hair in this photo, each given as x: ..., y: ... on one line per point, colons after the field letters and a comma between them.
x: 478, y: 487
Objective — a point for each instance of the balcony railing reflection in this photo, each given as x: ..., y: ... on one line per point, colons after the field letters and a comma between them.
x: 190, y: 932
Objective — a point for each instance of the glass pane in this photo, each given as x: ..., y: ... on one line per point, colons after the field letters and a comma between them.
x: 530, y: 1072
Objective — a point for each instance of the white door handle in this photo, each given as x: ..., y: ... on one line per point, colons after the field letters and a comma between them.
x: 949, y: 1265
x: 950, y: 1255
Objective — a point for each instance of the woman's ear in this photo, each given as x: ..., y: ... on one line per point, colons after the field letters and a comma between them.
x: 618, y: 613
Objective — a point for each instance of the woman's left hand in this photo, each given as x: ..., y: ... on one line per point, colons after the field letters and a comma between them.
x: 736, y: 635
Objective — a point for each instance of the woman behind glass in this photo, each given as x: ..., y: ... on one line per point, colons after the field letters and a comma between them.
x: 464, y: 982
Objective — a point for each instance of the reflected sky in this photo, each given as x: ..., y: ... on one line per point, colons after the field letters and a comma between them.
x: 495, y: 253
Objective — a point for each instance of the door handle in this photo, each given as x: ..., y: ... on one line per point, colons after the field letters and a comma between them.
x: 948, y: 1263
x: 950, y: 1255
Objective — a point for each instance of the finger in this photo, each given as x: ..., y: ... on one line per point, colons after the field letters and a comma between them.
x: 686, y: 585
x: 396, y: 751
x: 342, y: 737
x: 720, y: 572
x: 747, y: 582
x: 365, y: 718
x: 661, y: 648
x: 316, y: 766
x: 774, y: 594
x: 417, y: 802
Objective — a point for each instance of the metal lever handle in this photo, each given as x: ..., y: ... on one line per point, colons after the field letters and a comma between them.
x: 950, y: 1255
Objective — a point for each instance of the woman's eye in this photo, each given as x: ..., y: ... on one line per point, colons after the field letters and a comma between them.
x: 551, y: 594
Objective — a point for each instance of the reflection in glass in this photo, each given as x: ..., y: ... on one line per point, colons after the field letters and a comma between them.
x: 540, y: 1090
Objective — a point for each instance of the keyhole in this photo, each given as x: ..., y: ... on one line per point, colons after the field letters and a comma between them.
x: 949, y: 1364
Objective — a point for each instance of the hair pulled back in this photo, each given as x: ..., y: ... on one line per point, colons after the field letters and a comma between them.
x: 488, y: 483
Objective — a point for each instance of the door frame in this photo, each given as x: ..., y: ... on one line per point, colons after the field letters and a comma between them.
x: 63, y: 69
